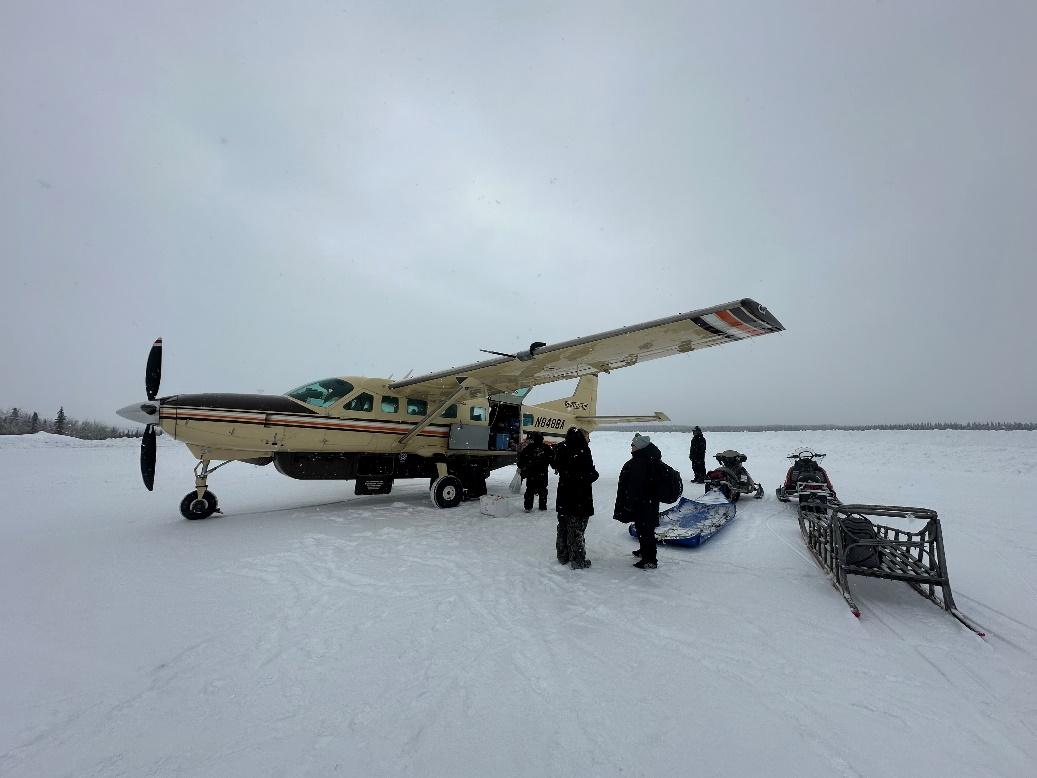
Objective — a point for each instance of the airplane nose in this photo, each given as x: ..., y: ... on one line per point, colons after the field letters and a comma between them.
x: 142, y: 413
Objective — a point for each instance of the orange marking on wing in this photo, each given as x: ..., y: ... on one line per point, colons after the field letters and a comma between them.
x: 738, y: 324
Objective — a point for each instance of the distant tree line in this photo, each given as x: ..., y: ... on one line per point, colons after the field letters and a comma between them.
x: 921, y: 425
x: 18, y: 421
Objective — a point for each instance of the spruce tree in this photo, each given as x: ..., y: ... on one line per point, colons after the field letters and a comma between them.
x: 59, y: 422
x: 34, y: 423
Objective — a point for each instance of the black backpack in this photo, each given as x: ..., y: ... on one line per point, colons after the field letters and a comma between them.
x: 667, y: 485
x: 856, y: 528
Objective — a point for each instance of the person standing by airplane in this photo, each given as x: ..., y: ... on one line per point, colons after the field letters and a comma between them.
x: 574, y: 499
x: 532, y: 464
x: 635, y: 498
x: 698, y: 456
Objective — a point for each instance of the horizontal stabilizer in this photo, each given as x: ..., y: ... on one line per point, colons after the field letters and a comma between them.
x: 599, y: 420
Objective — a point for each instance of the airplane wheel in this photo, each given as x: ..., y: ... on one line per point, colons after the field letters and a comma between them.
x: 193, y: 508
x: 447, y: 492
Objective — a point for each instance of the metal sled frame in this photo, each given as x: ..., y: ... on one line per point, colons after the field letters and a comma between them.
x: 916, y: 558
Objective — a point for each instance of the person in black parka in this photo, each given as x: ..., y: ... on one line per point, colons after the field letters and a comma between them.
x: 635, y: 499
x: 574, y: 499
x: 698, y: 456
x: 532, y: 464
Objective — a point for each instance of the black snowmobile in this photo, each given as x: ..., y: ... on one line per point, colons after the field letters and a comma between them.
x: 806, y: 480
x: 731, y: 479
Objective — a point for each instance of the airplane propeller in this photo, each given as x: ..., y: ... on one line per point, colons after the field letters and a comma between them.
x: 148, y: 413
x: 153, y: 372
x: 147, y: 457
x: 148, y: 449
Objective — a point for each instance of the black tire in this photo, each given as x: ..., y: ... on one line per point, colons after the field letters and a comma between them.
x: 193, y: 508
x: 447, y: 492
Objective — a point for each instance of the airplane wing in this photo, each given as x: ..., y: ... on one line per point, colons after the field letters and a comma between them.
x: 605, y: 351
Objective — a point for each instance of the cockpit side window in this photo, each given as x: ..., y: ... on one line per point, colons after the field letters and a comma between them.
x: 362, y: 402
x: 322, y: 394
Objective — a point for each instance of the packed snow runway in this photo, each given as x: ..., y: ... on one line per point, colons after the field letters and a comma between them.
x: 307, y: 631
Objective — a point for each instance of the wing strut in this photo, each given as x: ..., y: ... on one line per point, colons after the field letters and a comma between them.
x: 464, y: 385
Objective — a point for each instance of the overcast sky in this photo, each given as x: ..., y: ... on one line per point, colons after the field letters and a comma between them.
x: 289, y: 191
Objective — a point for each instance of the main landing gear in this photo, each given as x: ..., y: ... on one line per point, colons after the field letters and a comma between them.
x: 201, y: 503
x: 450, y: 489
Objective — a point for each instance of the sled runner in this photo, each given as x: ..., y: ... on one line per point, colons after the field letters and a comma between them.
x: 844, y: 541
x: 693, y: 522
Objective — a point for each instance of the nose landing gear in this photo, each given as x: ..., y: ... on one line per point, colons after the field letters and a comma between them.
x: 201, y: 503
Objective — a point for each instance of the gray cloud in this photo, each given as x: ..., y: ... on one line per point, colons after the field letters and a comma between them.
x: 361, y: 188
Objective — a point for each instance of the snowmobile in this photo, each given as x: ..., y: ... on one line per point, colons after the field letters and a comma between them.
x: 731, y: 479
x: 807, y: 481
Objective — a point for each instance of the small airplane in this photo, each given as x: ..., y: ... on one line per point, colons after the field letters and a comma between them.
x: 452, y: 427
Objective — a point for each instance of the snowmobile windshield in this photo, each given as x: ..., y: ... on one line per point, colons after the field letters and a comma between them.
x: 321, y: 394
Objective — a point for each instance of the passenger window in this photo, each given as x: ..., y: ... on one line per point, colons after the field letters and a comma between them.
x: 362, y: 402
x: 450, y: 413
x: 527, y: 419
x: 478, y: 413
x: 390, y: 405
x: 416, y: 407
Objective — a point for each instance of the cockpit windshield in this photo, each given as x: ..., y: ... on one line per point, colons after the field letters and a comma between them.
x: 321, y: 394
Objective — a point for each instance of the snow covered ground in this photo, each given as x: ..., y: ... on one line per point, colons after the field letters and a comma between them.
x: 310, y: 632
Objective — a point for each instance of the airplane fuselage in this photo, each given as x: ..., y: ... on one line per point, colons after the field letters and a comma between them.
x: 360, y: 435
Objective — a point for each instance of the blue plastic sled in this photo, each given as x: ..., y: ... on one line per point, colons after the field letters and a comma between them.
x: 693, y: 522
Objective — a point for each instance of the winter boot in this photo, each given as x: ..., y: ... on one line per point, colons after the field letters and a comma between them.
x: 576, y: 543
x: 643, y: 565
x: 636, y: 552
x: 561, y: 544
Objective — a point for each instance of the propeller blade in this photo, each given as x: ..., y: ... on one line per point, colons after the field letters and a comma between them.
x: 153, y: 372
x: 147, y: 457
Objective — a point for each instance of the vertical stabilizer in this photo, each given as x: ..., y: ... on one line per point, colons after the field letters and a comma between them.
x: 583, y: 402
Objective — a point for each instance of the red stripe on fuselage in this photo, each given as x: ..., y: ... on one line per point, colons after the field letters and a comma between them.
x: 302, y: 423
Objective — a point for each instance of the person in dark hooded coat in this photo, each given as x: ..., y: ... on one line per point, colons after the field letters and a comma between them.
x: 574, y: 498
x: 635, y: 498
x: 532, y: 464
x: 697, y: 453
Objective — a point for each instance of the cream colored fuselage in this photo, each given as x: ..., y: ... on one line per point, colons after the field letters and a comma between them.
x: 240, y: 432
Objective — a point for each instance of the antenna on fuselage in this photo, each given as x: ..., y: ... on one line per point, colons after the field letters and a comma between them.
x: 408, y: 374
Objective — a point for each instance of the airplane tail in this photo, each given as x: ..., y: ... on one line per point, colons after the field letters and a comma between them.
x: 584, y: 405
